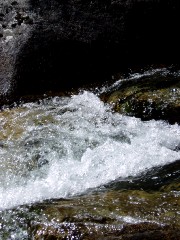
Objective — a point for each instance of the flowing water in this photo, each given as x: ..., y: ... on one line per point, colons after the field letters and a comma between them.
x: 65, y: 146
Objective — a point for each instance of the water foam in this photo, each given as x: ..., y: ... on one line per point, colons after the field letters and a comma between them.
x: 67, y: 145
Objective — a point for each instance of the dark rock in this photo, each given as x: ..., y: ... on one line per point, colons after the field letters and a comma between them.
x: 147, y: 231
x: 157, y: 178
x: 1, y: 144
x: 143, y: 231
x: 28, y: 20
x: 101, y: 216
x: 14, y: 3
x: 154, y: 95
x: 4, y: 25
x: 63, y: 44
x: 13, y: 25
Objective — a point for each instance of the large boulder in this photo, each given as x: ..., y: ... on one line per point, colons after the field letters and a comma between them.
x: 14, y: 34
x: 151, y: 95
x: 55, y: 45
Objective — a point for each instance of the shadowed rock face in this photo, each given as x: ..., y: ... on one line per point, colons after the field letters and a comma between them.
x: 55, y: 45
x: 14, y: 33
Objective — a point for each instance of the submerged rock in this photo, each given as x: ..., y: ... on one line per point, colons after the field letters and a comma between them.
x: 130, y: 232
x: 51, y: 45
x: 110, y: 215
x: 151, y: 96
x: 130, y: 213
x: 125, y: 213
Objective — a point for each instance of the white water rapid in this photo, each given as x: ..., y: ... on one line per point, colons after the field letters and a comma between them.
x: 66, y: 145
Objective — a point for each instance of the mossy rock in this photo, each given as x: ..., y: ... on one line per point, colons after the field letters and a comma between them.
x: 153, y: 96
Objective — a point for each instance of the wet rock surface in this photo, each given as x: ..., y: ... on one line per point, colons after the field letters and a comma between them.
x: 110, y: 215
x: 130, y: 232
x: 155, y: 96
x: 156, y: 179
x: 50, y: 45
x: 105, y: 214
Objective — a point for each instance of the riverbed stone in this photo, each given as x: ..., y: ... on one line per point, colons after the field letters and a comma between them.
x: 104, y: 213
x: 127, y: 213
x: 149, y: 97
x: 144, y: 231
x: 51, y: 45
x: 110, y: 215
x: 163, y: 178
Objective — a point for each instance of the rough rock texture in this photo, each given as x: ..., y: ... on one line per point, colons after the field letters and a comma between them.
x: 109, y: 215
x: 14, y: 33
x: 152, y: 95
x: 142, y: 231
x: 59, y: 44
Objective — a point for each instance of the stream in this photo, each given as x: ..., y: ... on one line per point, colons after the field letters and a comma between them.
x: 77, y: 150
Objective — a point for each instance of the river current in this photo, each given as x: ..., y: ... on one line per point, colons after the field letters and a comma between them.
x: 65, y: 146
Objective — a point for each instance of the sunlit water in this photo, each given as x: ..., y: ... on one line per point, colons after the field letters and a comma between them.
x: 64, y: 146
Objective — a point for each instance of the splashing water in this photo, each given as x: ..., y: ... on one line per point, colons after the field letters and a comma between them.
x: 64, y: 146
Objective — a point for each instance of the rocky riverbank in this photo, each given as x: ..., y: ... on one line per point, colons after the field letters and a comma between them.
x: 52, y: 45
x: 153, y: 94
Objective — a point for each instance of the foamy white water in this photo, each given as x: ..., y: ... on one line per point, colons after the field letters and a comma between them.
x: 64, y: 146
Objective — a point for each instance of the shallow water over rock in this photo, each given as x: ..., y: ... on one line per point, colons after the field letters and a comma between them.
x: 72, y: 168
